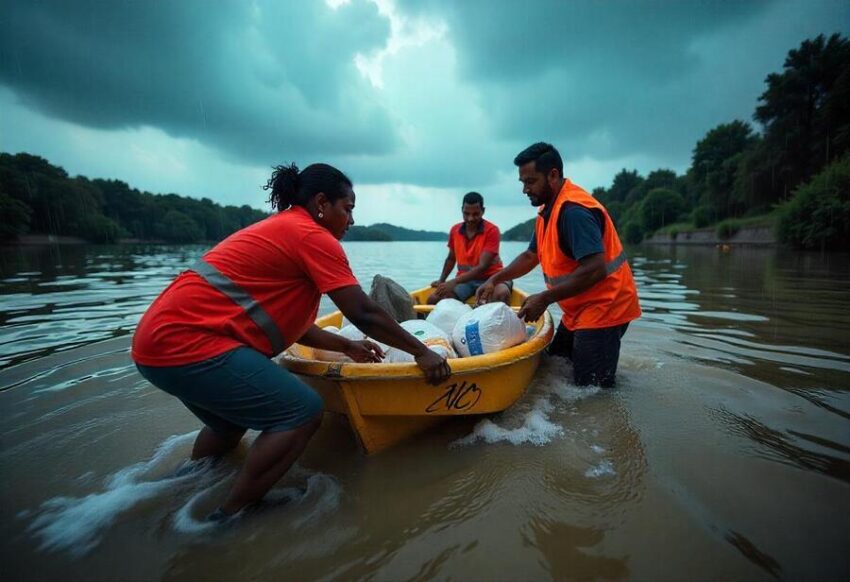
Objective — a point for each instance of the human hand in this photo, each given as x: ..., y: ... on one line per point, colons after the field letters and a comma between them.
x: 364, y: 352
x: 435, y: 366
x: 484, y: 292
x: 446, y: 289
x: 436, y: 283
x: 533, y: 307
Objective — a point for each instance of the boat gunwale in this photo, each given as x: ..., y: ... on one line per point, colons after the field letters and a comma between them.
x: 389, y: 372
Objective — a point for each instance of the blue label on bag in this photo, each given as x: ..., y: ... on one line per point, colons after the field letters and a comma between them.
x: 473, y: 339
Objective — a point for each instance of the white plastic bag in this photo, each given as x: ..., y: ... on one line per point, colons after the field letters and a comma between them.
x: 446, y: 313
x: 429, y: 334
x: 486, y: 329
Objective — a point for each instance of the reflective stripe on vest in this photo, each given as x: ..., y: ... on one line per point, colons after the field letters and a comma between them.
x: 241, y: 297
x: 610, y: 267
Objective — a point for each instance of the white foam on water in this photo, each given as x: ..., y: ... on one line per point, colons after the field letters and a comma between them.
x: 184, y: 522
x: 603, y: 469
x: 597, y: 449
x: 573, y: 393
x: 321, y: 496
x: 75, y: 523
x: 536, y: 428
x: 329, y: 493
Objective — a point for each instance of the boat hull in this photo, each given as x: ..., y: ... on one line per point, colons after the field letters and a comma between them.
x: 387, y: 403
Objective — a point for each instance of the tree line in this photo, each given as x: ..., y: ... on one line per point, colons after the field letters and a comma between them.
x: 793, y: 173
x: 38, y: 197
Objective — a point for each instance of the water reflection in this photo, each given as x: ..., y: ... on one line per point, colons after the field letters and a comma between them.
x: 726, y: 438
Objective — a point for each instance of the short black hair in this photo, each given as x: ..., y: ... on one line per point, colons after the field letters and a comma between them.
x: 544, y: 155
x: 474, y: 198
x: 289, y: 187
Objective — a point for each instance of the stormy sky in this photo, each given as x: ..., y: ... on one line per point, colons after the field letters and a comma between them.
x: 417, y: 101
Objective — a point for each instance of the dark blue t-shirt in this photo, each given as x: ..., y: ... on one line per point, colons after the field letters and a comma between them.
x: 579, y: 231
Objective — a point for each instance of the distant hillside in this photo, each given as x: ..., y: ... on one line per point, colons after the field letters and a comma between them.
x: 399, y: 233
x: 521, y: 231
x: 361, y: 233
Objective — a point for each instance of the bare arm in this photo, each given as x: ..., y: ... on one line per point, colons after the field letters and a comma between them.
x: 448, y: 265
x: 476, y: 272
x: 316, y: 337
x: 359, y: 351
x: 521, y: 265
x: 369, y: 318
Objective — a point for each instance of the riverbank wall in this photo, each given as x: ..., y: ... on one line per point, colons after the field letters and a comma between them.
x: 755, y: 235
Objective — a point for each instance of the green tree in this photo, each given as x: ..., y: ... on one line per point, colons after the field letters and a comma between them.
x: 624, y: 182
x: 16, y: 217
x: 660, y: 207
x: 805, y: 121
x: 818, y: 215
x: 97, y: 228
x: 176, y: 227
x: 715, y: 167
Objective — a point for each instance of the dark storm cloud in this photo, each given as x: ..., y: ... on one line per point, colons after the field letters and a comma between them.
x: 253, y: 79
x: 613, y: 79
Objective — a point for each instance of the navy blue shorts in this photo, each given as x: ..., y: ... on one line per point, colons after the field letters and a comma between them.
x: 594, y: 353
x: 464, y: 291
x: 238, y: 390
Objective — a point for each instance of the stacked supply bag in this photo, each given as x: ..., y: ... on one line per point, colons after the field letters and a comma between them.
x: 486, y: 329
x: 452, y: 328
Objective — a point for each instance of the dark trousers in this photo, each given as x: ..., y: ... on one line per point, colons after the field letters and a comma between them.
x: 594, y: 353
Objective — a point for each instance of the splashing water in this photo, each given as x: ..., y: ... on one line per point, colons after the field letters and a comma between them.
x: 75, y: 524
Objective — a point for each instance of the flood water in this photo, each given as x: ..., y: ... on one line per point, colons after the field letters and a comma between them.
x: 724, y: 453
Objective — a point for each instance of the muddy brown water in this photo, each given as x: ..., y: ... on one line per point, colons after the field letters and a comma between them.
x: 723, y: 454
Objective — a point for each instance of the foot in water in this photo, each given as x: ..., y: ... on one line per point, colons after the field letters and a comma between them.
x: 220, y: 517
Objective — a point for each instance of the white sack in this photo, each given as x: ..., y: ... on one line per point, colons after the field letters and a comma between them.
x: 429, y: 334
x: 486, y: 329
x: 446, y: 313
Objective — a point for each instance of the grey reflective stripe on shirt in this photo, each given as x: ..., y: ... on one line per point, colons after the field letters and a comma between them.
x: 241, y: 297
x: 609, y: 268
x: 462, y: 268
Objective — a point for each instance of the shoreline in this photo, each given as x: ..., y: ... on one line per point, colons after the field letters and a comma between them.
x: 750, y: 236
x: 755, y: 236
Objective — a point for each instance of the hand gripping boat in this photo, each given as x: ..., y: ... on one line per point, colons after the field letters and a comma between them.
x: 386, y: 403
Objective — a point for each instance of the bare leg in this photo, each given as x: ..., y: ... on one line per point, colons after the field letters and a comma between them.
x: 269, y: 458
x: 501, y: 293
x: 213, y: 444
x: 432, y: 299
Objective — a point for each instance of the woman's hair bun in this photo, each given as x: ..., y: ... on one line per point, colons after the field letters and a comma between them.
x: 283, y: 185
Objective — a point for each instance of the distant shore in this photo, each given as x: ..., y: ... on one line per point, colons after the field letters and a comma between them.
x: 755, y: 236
x: 56, y: 239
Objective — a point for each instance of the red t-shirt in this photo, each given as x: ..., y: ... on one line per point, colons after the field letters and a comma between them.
x: 285, y: 262
x: 468, y: 251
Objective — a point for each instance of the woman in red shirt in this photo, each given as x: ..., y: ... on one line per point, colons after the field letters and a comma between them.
x: 208, y: 338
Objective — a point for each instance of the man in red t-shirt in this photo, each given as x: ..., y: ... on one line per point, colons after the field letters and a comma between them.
x: 474, y: 246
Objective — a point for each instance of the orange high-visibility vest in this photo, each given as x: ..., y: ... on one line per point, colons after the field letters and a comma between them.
x: 611, y: 301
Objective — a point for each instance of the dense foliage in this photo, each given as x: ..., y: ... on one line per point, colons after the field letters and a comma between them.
x: 737, y: 172
x: 38, y: 197
x: 818, y: 216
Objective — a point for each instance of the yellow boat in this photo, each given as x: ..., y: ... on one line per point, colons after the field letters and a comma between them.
x: 386, y: 403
